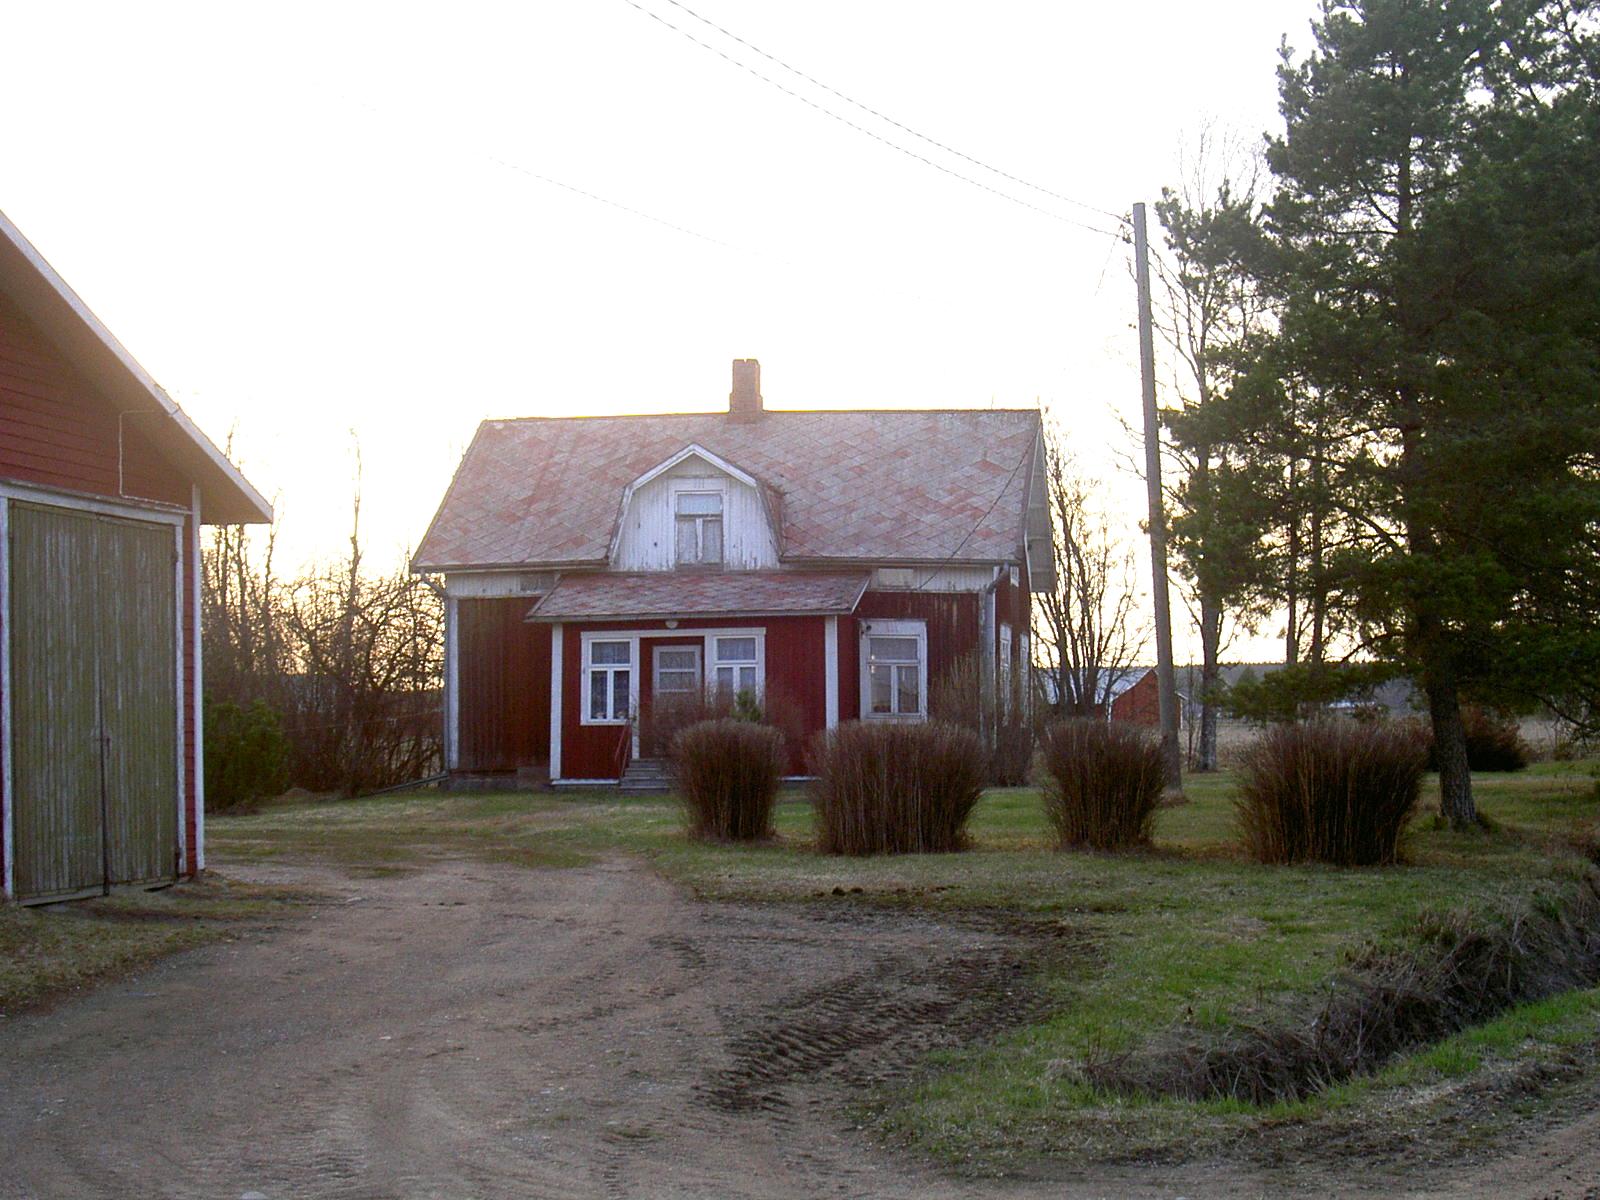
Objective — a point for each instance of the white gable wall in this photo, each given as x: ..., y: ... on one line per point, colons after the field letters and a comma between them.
x: 648, y: 540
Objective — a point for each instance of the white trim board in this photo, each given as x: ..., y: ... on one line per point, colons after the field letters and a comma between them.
x: 199, y: 684
x: 830, y: 673
x: 6, y: 787
x: 182, y: 740
x: 557, y: 661
x: 98, y: 506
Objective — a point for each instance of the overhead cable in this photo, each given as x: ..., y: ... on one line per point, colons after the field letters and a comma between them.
x: 877, y: 137
x: 888, y: 120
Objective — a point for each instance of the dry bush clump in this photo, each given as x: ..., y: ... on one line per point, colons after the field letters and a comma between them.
x: 966, y: 694
x: 1456, y: 972
x: 1494, y: 741
x: 727, y: 773
x: 1331, y: 791
x: 895, y: 788
x: 1102, y: 783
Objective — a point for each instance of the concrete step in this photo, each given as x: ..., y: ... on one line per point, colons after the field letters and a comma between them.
x: 645, y: 775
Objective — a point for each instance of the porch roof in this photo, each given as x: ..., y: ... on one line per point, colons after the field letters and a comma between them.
x: 684, y: 594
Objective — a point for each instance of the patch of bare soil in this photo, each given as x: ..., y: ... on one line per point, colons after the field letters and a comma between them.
x: 479, y: 1030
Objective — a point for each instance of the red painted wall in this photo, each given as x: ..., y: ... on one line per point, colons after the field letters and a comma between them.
x: 1140, y: 704
x: 502, y: 686
x: 794, y: 676
x: 953, y: 623
x: 56, y: 431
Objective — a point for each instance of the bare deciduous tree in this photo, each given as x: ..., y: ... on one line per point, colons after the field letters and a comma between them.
x: 349, y: 661
x: 1087, y: 628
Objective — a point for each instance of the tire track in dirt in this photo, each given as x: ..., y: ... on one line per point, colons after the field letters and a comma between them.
x: 487, y: 1031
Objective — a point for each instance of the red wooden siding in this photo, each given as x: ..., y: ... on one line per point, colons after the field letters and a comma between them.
x: 953, y: 621
x: 587, y: 751
x: 794, y: 678
x: 796, y: 682
x: 56, y: 431
x: 502, y: 686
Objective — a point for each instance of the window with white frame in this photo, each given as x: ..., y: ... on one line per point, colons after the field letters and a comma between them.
x: 737, y: 662
x: 1005, y: 671
x: 608, y: 682
x: 677, y: 670
x: 699, y: 528
x: 894, y: 669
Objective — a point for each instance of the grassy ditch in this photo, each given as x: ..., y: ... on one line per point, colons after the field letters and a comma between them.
x: 1192, y: 944
x: 51, y: 952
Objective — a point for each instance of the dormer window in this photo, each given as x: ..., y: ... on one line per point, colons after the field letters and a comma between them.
x: 699, y: 529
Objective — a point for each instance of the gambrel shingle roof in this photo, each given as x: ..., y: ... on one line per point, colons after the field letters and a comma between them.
x: 859, y: 485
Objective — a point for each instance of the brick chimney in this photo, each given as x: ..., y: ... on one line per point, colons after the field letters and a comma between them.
x: 744, y: 402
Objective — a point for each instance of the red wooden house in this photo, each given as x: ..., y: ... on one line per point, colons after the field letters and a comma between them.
x: 831, y: 564
x: 104, y: 484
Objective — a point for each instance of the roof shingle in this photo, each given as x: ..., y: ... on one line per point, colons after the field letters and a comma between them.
x: 701, y: 594
x: 925, y: 486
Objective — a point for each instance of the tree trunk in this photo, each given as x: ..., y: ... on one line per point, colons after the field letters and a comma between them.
x: 1210, y: 673
x: 1450, y: 749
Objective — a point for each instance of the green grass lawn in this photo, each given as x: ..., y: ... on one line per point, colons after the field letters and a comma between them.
x: 1186, y: 934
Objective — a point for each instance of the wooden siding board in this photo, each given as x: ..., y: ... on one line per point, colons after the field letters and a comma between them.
x: 647, y: 540
x: 952, y: 618
x: 59, y: 432
x: 94, y: 703
x: 503, y: 686
x: 55, y: 721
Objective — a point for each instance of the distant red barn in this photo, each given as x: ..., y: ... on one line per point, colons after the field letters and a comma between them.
x: 104, y: 484
x: 1139, y: 703
x: 833, y: 566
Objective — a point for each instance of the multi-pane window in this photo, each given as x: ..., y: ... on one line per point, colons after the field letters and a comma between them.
x: 677, y: 669
x: 736, y: 665
x: 894, y: 675
x: 610, y: 680
x: 1005, y: 671
x: 699, y: 528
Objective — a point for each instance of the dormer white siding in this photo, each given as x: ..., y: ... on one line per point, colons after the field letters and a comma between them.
x: 648, y: 538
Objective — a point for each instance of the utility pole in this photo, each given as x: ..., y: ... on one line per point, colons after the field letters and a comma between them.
x: 1166, y: 680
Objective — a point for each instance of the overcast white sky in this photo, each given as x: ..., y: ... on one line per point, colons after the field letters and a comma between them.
x: 308, y: 219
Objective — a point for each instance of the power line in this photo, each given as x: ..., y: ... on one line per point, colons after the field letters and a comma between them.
x: 578, y: 191
x: 861, y: 129
x: 900, y: 125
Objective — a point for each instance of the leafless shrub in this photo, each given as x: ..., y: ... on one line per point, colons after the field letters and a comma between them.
x: 965, y: 694
x: 895, y: 788
x: 727, y: 773
x: 1331, y: 791
x: 1102, y: 783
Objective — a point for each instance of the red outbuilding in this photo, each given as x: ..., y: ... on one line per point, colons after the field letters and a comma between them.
x: 104, y: 484
x: 824, y: 566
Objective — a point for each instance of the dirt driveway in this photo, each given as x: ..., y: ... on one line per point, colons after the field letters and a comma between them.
x: 485, y: 1031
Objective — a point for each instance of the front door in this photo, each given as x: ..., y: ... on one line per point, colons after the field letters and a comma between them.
x: 677, y: 694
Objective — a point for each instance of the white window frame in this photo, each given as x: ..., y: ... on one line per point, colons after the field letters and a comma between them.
x: 588, y: 667
x: 655, y: 669
x: 698, y: 488
x: 713, y: 664
x: 901, y: 629
x: 1005, y: 673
